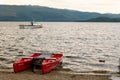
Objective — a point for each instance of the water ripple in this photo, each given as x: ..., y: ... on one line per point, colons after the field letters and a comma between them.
x: 82, y: 44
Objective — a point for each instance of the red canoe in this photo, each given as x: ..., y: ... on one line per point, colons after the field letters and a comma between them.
x: 24, y: 63
x: 51, y: 63
x: 40, y: 61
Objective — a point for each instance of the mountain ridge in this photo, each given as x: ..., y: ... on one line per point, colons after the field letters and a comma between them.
x: 41, y: 13
x: 102, y: 19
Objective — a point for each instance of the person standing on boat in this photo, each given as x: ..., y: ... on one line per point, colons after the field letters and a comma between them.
x: 32, y: 23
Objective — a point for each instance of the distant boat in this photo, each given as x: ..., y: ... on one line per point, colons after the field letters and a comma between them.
x: 31, y: 26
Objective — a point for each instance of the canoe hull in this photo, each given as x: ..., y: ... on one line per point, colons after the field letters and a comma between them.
x: 51, y: 63
x: 24, y: 63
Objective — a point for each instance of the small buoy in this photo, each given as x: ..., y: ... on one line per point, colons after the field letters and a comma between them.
x: 101, y: 60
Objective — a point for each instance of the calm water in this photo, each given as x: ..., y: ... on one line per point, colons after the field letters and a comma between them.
x: 83, y: 44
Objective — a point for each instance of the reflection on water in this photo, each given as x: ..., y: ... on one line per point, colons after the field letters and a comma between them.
x: 83, y: 44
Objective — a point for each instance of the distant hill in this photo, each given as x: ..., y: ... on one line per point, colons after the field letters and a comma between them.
x: 103, y: 19
x: 40, y: 13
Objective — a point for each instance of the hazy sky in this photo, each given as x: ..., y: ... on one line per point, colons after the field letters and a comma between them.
x: 102, y: 6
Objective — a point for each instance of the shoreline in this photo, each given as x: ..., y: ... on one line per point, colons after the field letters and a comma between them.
x: 58, y: 73
x: 53, y: 75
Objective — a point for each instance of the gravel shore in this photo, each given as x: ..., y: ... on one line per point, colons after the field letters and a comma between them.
x: 54, y: 75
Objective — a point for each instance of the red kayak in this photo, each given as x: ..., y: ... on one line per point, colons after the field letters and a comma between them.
x: 24, y: 63
x: 50, y: 63
x: 38, y: 61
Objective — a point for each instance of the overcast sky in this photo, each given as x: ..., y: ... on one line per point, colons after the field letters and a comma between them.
x: 102, y: 6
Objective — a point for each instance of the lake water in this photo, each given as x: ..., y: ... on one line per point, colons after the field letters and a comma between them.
x: 83, y: 44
